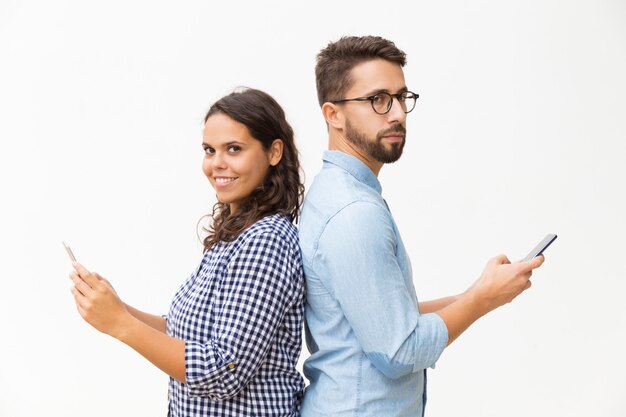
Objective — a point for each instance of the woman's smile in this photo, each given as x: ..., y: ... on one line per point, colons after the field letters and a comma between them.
x: 224, y: 181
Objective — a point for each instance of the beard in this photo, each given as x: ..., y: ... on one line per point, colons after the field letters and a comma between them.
x: 375, y: 148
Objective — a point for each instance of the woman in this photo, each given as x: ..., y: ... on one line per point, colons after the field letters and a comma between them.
x: 232, y: 338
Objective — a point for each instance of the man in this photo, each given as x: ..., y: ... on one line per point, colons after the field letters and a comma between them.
x: 370, y: 340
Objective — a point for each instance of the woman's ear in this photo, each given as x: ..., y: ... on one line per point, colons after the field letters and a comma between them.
x: 276, y: 152
x: 333, y: 115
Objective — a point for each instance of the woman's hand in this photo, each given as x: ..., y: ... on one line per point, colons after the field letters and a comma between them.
x: 97, y: 301
x: 99, y: 305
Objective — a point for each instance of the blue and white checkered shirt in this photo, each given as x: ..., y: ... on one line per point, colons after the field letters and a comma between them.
x: 240, y: 315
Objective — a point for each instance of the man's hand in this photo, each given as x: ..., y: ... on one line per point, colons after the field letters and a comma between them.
x: 502, y: 281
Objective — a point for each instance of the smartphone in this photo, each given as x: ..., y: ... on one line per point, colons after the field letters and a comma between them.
x: 69, y: 252
x: 543, y: 245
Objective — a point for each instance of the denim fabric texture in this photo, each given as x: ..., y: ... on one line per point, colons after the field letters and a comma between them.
x: 369, y: 344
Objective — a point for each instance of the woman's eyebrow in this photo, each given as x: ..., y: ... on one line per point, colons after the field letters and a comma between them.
x: 226, y: 144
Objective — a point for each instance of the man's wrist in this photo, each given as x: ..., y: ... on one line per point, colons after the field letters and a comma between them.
x: 473, y: 302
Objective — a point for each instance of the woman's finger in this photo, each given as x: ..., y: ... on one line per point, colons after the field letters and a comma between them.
x: 107, y: 284
x: 83, y: 288
x: 80, y: 285
x: 81, y: 311
x: 105, y: 281
x: 80, y: 268
x: 78, y: 297
x: 87, y: 276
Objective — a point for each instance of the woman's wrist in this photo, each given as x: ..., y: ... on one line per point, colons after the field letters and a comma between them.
x: 124, y: 327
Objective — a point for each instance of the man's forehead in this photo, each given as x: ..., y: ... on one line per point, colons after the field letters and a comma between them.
x: 377, y: 75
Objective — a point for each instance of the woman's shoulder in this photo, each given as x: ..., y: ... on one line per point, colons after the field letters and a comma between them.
x: 274, y: 225
x: 273, y: 236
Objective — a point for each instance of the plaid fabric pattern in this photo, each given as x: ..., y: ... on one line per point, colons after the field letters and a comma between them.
x: 241, y: 315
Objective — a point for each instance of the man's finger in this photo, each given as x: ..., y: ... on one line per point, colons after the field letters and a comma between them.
x: 534, y: 263
x: 501, y: 259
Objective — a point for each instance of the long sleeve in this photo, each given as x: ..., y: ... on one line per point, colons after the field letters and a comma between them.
x: 259, y: 284
x: 375, y: 297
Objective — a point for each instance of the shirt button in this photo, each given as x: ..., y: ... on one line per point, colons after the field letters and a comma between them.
x: 231, y: 366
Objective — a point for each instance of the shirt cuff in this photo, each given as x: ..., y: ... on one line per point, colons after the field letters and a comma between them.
x: 209, y: 371
x: 431, y: 349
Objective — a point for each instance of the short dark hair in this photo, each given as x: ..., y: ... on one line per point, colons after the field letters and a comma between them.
x: 283, y: 189
x: 334, y: 63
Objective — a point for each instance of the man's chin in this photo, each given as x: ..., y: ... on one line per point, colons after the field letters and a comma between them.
x: 391, y: 153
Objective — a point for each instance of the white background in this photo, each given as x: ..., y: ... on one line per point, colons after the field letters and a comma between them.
x: 519, y: 131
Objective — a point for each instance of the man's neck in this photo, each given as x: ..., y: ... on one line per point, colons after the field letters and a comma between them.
x: 338, y: 143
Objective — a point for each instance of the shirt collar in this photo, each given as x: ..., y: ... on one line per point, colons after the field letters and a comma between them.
x: 355, y: 167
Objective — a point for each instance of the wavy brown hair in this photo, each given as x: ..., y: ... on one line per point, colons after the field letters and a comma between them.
x: 282, y: 190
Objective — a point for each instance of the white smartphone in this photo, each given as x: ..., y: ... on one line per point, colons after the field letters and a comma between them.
x: 543, y: 245
x: 69, y: 252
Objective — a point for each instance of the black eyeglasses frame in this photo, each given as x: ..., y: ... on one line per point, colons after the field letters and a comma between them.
x: 398, y: 96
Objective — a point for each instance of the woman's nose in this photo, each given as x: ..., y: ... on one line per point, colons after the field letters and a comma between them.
x: 218, y: 161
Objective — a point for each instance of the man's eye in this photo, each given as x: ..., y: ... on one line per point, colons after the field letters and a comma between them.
x: 379, y: 98
x: 405, y: 96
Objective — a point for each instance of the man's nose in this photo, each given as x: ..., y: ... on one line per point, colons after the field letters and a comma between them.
x: 396, y: 113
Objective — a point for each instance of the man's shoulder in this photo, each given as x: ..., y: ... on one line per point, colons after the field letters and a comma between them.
x: 333, y: 189
x: 338, y: 203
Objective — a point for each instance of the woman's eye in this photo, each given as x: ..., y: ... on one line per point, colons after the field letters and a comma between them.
x: 209, y: 151
x: 234, y: 148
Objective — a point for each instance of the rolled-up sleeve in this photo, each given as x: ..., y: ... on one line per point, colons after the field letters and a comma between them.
x: 210, y: 371
x: 262, y: 281
x: 373, y: 293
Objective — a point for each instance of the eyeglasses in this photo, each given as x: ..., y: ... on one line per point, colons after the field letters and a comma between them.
x: 382, y: 102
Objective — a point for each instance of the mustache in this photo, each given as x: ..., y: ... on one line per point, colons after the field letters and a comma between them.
x: 395, y: 129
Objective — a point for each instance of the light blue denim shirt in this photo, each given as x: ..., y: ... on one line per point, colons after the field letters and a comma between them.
x: 369, y: 344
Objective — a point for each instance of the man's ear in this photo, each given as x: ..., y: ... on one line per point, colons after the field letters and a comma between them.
x: 333, y: 115
x: 276, y: 152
